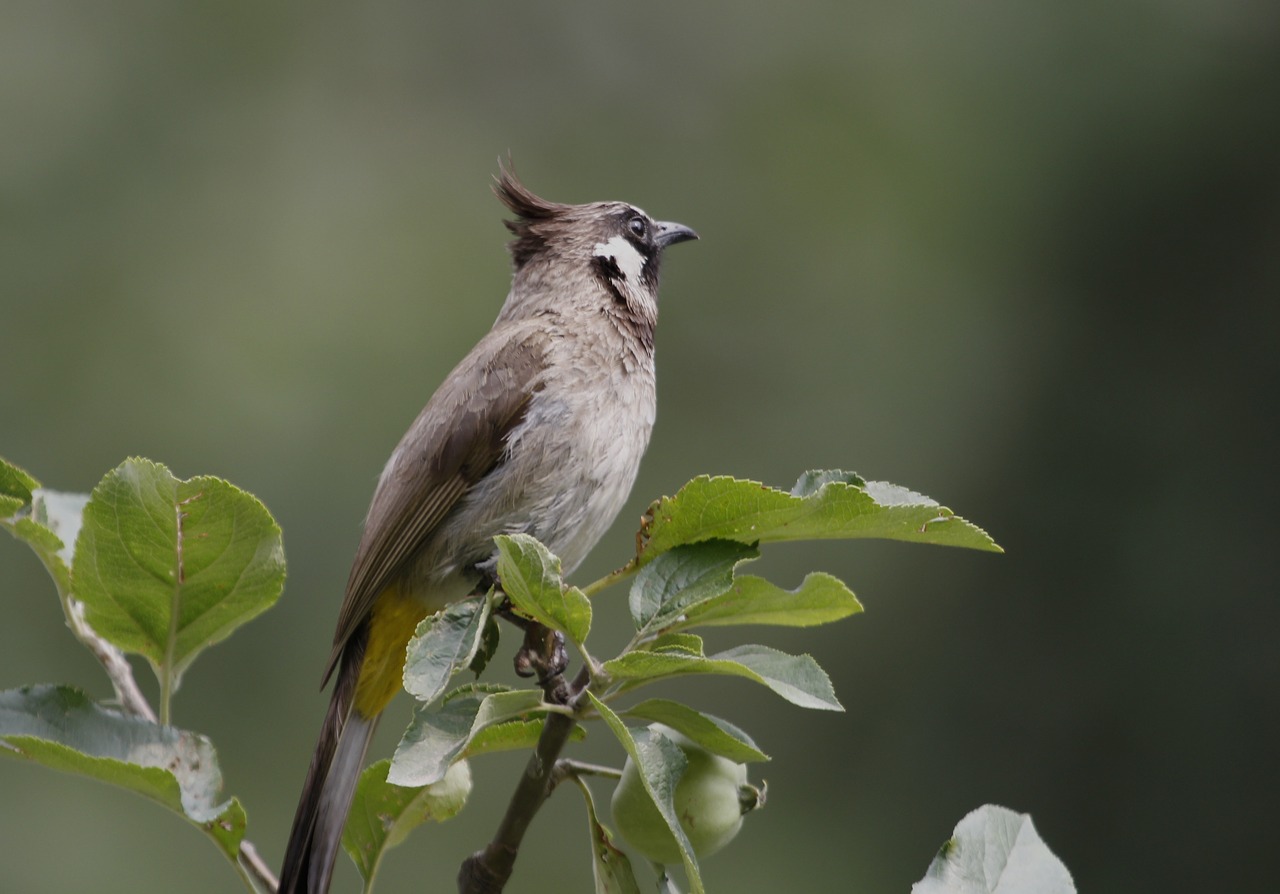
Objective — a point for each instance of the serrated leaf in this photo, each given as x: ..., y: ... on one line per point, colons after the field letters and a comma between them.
x: 47, y: 547
x: 9, y: 507
x: 820, y: 599
x: 439, y: 733
x: 530, y: 577
x: 797, y: 678
x: 995, y: 851
x: 684, y: 576
x: 680, y: 642
x: 49, y: 528
x: 16, y: 483
x: 442, y: 645
x: 62, y: 728
x: 823, y: 506
x: 661, y: 763
x: 167, y: 567
x: 382, y: 815
x: 63, y: 514
x: 715, y: 735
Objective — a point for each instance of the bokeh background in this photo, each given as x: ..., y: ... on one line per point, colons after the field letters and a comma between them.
x: 1021, y: 257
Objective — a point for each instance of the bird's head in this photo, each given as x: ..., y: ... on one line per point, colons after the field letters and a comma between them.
x: 617, y: 244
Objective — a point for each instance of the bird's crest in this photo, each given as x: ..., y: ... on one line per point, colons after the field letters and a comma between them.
x: 532, y: 214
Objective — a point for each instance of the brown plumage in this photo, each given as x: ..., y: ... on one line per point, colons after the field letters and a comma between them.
x: 539, y: 430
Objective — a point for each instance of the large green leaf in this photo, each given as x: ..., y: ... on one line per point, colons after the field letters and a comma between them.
x: 530, y: 577
x: 167, y: 567
x: 382, y: 815
x: 661, y: 764
x: 62, y: 728
x: 797, y: 678
x: 995, y: 851
x: 822, y: 505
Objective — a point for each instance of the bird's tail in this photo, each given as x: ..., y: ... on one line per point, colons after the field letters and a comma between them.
x: 331, y: 782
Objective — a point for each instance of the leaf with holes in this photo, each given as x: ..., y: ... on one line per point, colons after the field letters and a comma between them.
x: 62, y: 728
x: 167, y: 567
x: 822, y: 506
x: 444, y: 644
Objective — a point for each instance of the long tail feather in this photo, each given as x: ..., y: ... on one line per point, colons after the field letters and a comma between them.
x: 331, y: 782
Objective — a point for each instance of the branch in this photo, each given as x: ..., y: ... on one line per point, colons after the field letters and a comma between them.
x: 256, y: 868
x: 131, y: 699
x: 487, y: 871
x: 112, y: 660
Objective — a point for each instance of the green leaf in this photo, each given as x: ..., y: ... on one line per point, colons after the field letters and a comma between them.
x: 995, y: 851
x: 661, y: 763
x: 820, y: 599
x: 510, y: 735
x: 715, y: 735
x: 439, y: 733
x: 49, y: 527
x: 382, y: 815
x: 166, y: 567
x: 684, y: 576
x: 797, y: 678
x: 610, y: 867
x: 490, y: 639
x: 15, y: 484
x: 62, y: 728
x: 679, y: 642
x: 444, y: 644
x: 530, y: 577
x: 63, y: 514
x: 823, y: 505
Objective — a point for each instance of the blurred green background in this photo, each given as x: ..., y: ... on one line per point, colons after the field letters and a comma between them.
x: 1020, y: 257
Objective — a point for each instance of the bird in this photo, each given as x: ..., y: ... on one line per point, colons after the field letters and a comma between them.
x: 539, y: 430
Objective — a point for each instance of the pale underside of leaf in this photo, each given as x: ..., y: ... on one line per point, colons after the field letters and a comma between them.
x: 995, y: 851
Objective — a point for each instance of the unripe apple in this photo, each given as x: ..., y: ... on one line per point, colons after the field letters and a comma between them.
x: 711, y: 798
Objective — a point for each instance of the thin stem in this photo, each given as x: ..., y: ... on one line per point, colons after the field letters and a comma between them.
x: 575, y: 770
x: 610, y: 579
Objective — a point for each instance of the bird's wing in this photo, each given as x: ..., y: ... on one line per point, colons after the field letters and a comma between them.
x: 458, y: 438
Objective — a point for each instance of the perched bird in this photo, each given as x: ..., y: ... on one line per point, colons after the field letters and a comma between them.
x: 538, y: 430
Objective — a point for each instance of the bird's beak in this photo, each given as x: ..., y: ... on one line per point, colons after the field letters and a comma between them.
x: 670, y: 233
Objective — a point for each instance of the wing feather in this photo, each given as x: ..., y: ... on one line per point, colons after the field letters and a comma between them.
x: 458, y: 439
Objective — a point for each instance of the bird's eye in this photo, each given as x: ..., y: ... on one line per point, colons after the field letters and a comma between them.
x: 637, y: 226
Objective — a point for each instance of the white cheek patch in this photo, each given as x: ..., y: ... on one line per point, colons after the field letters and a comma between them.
x: 624, y: 255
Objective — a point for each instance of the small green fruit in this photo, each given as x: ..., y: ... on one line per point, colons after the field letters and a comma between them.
x: 711, y: 798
